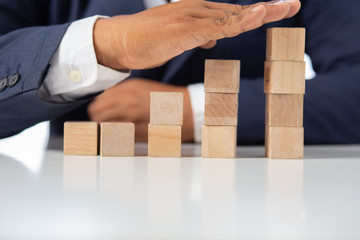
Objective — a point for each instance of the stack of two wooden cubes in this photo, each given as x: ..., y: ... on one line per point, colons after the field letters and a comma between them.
x: 284, y: 85
x: 166, y: 120
x: 222, y: 80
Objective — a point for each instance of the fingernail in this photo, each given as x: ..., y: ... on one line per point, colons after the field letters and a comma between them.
x: 283, y: 1
x: 256, y: 9
x: 278, y: 2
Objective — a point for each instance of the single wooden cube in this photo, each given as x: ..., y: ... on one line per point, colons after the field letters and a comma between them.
x: 218, y: 141
x: 81, y: 138
x: 284, y: 142
x: 284, y: 77
x: 117, y: 139
x: 164, y: 141
x: 221, y: 109
x: 285, y: 44
x: 166, y: 108
x: 284, y: 110
x: 222, y: 76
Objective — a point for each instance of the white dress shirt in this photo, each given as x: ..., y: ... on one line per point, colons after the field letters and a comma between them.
x: 74, y: 72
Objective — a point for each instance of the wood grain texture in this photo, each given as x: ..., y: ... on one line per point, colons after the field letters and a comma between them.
x: 81, y: 138
x: 284, y: 77
x: 284, y: 110
x: 284, y: 142
x: 164, y: 141
x: 222, y: 76
x: 221, y: 109
x: 285, y: 44
x: 218, y: 141
x: 166, y: 108
x: 117, y: 139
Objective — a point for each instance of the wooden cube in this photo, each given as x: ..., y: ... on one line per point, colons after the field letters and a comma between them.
x: 117, y: 139
x: 164, y: 141
x: 166, y: 108
x: 284, y: 110
x: 221, y: 109
x: 222, y: 76
x: 284, y: 142
x: 218, y: 141
x: 285, y: 44
x: 284, y: 77
x: 81, y: 138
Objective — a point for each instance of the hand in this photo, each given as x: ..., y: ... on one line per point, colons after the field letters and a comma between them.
x: 129, y: 101
x: 154, y: 36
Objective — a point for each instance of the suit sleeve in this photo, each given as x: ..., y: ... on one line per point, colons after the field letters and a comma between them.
x: 27, y: 51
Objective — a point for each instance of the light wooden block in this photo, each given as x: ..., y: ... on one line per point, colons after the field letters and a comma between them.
x: 284, y: 142
x: 117, y: 139
x: 221, y: 109
x: 81, y: 138
x: 284, y: 77
x: 222, y: 76
x: 164, y: 141
x: 166, y: 108
x: 285, y: 44
x: 218, y: 141
x: 284, y: 110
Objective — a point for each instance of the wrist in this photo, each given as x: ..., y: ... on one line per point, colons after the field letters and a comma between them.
x: 106, y: 52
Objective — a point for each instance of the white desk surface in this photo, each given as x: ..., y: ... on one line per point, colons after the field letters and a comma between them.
x: 251, y: 197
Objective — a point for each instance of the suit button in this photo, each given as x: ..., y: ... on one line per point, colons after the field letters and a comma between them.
x: 3, y: 84
x: 13, y: 79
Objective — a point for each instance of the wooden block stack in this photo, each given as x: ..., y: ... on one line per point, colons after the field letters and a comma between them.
x: 284, y: 85
x: 166, y: 120
x: 111, y: 139
x: 222, y: 80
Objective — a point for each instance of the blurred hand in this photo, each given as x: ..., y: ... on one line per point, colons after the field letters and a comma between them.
x: 154, y: 36
x: 129, y: 101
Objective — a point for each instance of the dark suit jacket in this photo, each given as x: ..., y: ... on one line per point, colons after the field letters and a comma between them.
x: 32, y: 30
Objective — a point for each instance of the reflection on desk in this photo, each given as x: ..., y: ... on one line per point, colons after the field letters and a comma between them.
x: 251, y: 197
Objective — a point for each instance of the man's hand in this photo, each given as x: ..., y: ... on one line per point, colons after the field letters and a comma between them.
x: 154, y: 36
x: 129, y: 101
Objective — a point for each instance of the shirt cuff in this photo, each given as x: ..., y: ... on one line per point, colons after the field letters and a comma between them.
x: 197, y: 98
x: 74, y: 71
x: 153, y: 3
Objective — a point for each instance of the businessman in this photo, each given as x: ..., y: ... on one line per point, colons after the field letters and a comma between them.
x: 58, y: 52
x: 332, y: 97
x: 56, y: 55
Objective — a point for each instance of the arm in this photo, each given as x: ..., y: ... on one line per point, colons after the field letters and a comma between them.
x: 122, y: 42
x: 27, y: 51
x: 106, y: 108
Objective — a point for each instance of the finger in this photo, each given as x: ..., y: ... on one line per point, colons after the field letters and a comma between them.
x: 200, y: 11
x: 207, y: 13
x: 209, y: 44
x: 276, y: 11
x: 225, y: 6
x: 272, y: 7
x: 295, y: 6
x: 213, y: 29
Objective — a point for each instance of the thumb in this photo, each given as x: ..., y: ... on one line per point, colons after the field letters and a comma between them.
x: 209, y: 44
